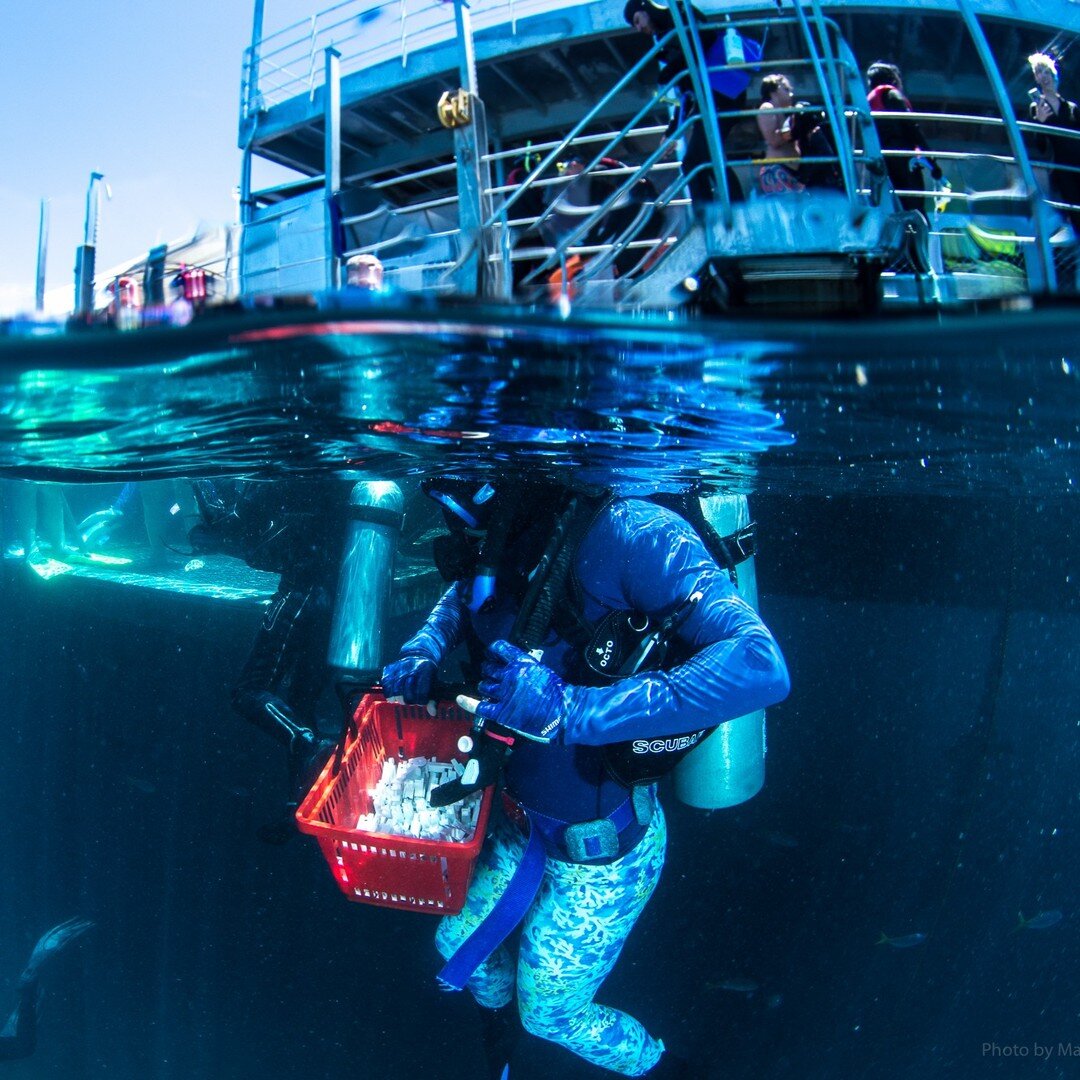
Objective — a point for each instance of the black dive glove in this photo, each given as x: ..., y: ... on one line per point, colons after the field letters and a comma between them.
x: 486, y: 756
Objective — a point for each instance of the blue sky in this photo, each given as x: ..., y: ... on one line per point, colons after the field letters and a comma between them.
x: 146, y: 93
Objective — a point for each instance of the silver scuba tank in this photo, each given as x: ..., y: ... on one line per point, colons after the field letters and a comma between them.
x: 729, y: 766
x: 376, y: 509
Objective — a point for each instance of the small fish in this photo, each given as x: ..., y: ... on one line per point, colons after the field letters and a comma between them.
x: 861, y: 831
x: 1043, y: 921
x: 906, y: 941
x: 139, y: 784
x: 778, y: 839
x: 734, y: 985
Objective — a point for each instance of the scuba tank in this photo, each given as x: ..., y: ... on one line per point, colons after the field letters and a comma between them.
x: 376, y: 509
x: 728, y: 767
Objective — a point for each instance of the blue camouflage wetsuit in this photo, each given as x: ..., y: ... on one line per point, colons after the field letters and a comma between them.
x: 641, y: 557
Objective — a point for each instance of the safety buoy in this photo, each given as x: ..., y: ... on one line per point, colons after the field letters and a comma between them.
x: 194, y: 282
x: 574, y: 265
x: 129, y: 291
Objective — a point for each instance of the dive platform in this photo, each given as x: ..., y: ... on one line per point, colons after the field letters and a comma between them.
x: 137, y: 587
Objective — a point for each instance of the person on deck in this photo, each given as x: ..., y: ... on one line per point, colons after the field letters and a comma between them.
x: 728, y: 87
x: 906, y: 171
x: 365, y: 272
x: 1050, y: 108
x: 779, y: 172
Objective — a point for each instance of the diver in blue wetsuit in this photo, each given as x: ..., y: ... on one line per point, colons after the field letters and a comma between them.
x: 569, y: 603
x: 19, y: 1038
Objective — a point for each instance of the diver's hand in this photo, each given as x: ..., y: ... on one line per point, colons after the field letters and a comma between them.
x: 99, y: 526
x: 52, y: 942
x: 409, y: 679
x: 520, y: 694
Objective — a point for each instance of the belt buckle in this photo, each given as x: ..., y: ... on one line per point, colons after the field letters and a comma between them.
x: 641, y: 799
x: 587, y: 841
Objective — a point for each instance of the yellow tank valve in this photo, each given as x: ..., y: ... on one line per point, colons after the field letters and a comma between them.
x: 454, y: 109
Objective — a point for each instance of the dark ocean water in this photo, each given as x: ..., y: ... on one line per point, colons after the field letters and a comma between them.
x: 915, y: 488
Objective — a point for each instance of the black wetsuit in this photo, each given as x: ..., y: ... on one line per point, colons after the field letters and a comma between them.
x: 22, y: 1043
x: 295, y: 528
x: 901, y: 135
x: 1063, y: 150
x: 701, y: 185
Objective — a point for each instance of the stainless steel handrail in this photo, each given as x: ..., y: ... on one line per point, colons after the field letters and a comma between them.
x: 652, y: 164
x: 418, y: 25
x: 826, y: 77
x: 982, y: 46
x: 555, y: 153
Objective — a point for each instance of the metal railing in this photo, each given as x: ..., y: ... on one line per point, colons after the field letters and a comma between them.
x: 1005, y: 240
x: 547, y: 243
x: 522, y: 238
x: 984, y: 219
x: 288, y: 62
x: 413, y: 225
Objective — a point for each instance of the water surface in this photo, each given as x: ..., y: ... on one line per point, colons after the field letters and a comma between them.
x: 914, y: 484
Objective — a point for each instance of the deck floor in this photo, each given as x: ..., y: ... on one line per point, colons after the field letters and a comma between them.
x: 217, y: 577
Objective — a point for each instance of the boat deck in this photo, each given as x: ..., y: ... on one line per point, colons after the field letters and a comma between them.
x: 562, y: 161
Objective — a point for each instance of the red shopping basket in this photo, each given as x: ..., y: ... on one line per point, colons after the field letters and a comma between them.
x: 380, y: 868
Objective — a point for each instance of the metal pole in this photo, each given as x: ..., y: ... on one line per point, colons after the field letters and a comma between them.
x: 249, y: 105
x: 332, y: 162
x: 42, y: 249
x: 86, y: 255
x: 506, y: 271
x: 1040, y: 211
x: 256, y: 41
x: 475, y: 274
x: 466, y: 51
x: 249, y: 122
